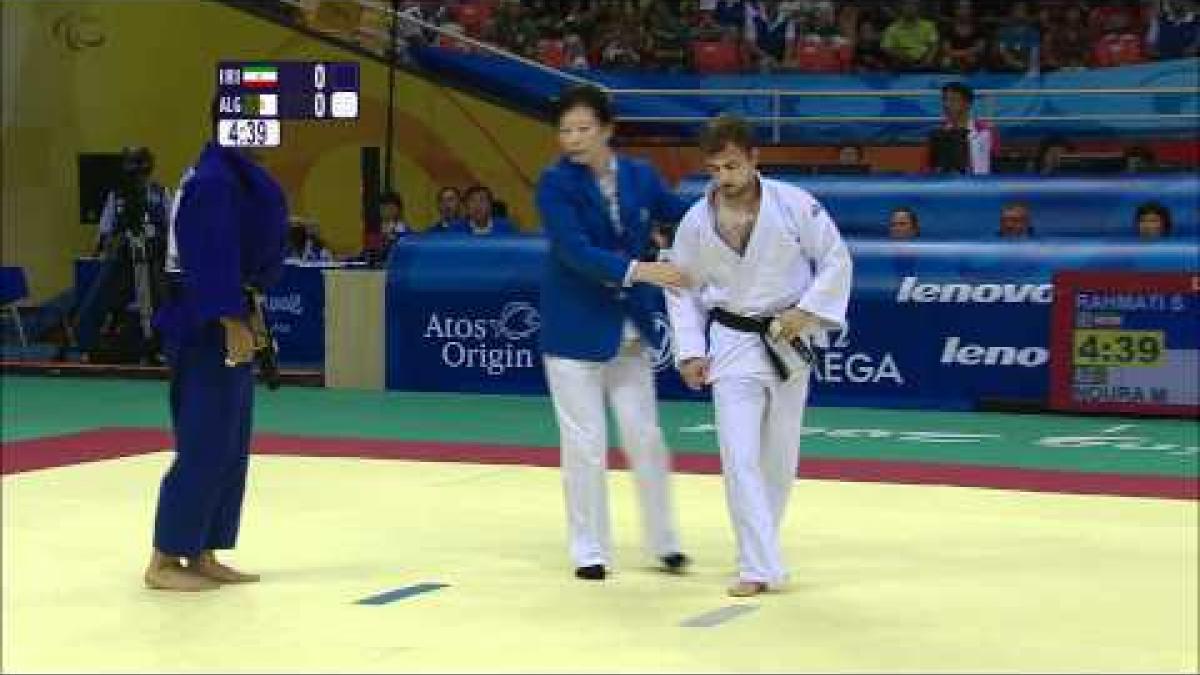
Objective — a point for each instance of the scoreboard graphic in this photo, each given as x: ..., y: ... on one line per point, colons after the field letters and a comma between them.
x: 255, y: 96
x: 1126, y: 342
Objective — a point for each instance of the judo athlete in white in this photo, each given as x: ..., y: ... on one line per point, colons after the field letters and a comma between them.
x: 770, y: 275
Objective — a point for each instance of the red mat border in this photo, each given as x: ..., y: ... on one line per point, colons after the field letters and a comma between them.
x: 115, y: 442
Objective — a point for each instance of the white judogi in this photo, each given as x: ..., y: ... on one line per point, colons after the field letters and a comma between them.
x: 794, y: 257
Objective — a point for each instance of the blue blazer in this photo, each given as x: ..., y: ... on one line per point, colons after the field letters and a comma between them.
x: 583, y: 302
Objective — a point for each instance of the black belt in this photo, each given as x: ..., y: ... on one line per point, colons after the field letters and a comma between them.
x: 750, y: 324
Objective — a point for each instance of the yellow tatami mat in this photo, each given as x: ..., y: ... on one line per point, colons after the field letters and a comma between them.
x: 886, y: 578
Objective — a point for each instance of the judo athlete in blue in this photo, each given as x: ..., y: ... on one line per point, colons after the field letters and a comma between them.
x: 597, y: 304
x: 226, y: 233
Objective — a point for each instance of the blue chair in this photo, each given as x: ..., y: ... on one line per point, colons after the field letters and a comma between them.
x: 13, y: 288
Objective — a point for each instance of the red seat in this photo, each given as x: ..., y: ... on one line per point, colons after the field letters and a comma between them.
x: 552, y: 53
x: 1118, y: 49
x: 818, y: 56
x: 472, y: 16
x: 715, y: 56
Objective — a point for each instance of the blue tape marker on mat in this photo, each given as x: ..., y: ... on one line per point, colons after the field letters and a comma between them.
x: 399, y: 594
x: 718, y: 616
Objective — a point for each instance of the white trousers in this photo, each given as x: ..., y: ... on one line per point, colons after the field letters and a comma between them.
x: 579, y: 389
x: 759, y: 424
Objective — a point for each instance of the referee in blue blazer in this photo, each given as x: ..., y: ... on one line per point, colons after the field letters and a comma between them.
x: 597, y: 302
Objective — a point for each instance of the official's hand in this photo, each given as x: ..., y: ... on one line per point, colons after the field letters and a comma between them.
x: 663, y: 274
x: 694, y: 372
x: 239, y: 341
x: 795, y: 322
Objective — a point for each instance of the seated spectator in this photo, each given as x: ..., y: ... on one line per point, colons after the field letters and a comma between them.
x: 1153, y: 220
x: 904, y: 224
x: 963, y: 43
x: 574, y: 52
x: 303, y: 243
x: 1138, y: 159
x: 667, y: 38
x: 1174, y: 31
x: 1066, y: 46
x: 770, y: 36
x: 1120, y: 45
x: 1017, y: 42
x: 911, y: 41
x: 513, y: 29
x: 820, y: 46
x: 962, y: 144
x: 619, y: 49
x: 449, y: 203
x: 391, y: 219
x: 1015, y: 221
x: 481, y: 218
x: 851, y: 154
x: 868, y: 49
x: 1049, y: 155
x: 731, y: 13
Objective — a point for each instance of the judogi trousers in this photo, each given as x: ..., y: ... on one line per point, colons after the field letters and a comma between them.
x: 200, y: 500
x: 578, y: 389
x: 759, y: 424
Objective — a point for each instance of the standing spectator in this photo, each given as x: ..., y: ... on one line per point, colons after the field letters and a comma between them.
x: 449, y: 201
x: 770, y: 35
x: 911, y: 41
x: 904, y: 224
x: 1153, y: 220
x: 1015, y: 221
x: 481, y: 217
x: 963, y: 43
x: 959, y: 127
x: 1175, y: 31
x: 1017, y: 43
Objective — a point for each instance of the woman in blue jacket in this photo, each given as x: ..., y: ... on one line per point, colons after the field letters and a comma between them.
x: 598, y: 302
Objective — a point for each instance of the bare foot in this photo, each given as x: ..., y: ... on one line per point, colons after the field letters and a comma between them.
x: 746, y: 589
x: 166, y: 574
x: 207, y: 565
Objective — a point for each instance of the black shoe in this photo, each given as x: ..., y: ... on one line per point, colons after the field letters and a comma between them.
x: 591, y: 572
x: 675, y: 562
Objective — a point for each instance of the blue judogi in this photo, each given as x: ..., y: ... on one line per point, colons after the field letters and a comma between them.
x: 584, y: 303
x: 228, y: 231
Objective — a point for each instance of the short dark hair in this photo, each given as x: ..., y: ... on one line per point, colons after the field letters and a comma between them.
x: 1156, y: 208
x: 475, y: 189
x: 392, y: 198
x: 961, y: 89
x: 911, y: 214
x: 585, y: 96
x: 723, y: 130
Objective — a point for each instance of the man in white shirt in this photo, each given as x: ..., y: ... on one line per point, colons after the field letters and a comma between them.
x: 770, y: 272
